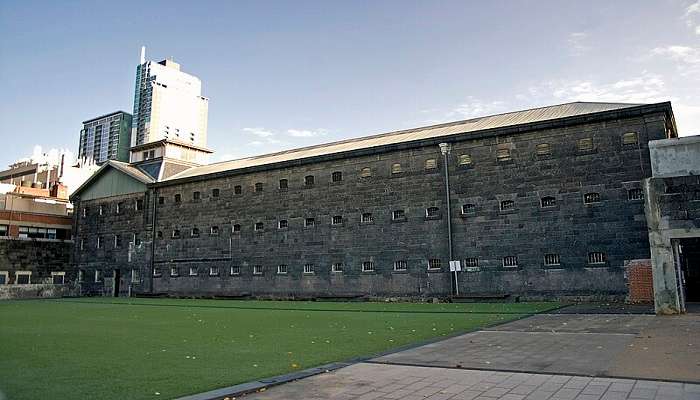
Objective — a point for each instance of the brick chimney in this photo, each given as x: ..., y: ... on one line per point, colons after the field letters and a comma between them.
x: 59, y: 190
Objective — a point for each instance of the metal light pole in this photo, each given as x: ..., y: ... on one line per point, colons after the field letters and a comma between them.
x: 445, y: 150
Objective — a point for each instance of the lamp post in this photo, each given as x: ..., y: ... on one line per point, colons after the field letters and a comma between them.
x: 445, y: 150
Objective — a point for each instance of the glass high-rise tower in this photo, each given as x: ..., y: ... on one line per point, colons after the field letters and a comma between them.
x: 168, y: 105
x: 105, y: 138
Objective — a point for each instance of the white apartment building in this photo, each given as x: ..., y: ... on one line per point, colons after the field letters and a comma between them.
x: 168, y: 105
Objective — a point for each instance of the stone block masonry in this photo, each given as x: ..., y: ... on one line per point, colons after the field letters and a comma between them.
x: 547, y: 211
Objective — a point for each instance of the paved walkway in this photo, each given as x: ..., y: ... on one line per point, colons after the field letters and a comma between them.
x: 555, y: 356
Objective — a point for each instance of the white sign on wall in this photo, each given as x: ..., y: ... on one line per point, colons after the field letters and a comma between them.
x: 455, y: 266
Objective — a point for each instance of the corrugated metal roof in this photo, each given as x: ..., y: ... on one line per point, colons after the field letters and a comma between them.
x: 470, y: 125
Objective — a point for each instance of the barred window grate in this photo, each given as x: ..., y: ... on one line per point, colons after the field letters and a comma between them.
x: 596, y: 257
x: 367, y: 217
x: 337, y: 267
x: 548, y: 201
x: 468, y: 209
x: 257, y: 269
x: 635, y: 194
x: 471, y: 262
x: 337, y: 220
x: 368, y: 266
x: 308, y: 268
x: 336, y: 176
x: 282, y: 269
x: 510, y: 261
x: 434, y: 263
x: 398, y: 214
x: 507, y: 205
x: 400, y: 265
x: 590, y: 198
x: 551, y: 259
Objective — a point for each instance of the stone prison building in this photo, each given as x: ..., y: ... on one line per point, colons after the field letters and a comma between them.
x: 541, y: 203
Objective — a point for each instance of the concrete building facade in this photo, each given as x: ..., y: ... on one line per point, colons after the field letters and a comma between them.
x: 543, y: 203
x: 168, y: 104
x: 673, y: 217
x: 106, y: 138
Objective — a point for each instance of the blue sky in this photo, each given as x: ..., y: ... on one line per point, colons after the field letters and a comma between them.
x: 284, y: 74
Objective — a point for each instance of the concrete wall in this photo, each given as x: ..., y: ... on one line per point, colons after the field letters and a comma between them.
x: 675, y: 157
x: 673, y: 212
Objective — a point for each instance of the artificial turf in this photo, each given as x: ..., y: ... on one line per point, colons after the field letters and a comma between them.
x: 105, y: 348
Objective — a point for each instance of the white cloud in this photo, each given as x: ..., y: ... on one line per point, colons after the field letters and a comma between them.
x: 474, y: 107
x: 260, y: 132
x: 306, y: 133
x: 646, y: 88
x: 686, y: 59
x: 577, y: 43
x: 51, y: 156
x: 691, y: 16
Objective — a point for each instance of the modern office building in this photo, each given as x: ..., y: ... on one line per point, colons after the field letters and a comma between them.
x: 168, y: 104
x: 106, y: 138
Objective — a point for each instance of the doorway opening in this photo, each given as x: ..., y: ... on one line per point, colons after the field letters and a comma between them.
x: 117, y: 280
x: 689, y: 257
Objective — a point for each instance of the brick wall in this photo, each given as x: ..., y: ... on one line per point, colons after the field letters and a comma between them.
x: 639, y: 281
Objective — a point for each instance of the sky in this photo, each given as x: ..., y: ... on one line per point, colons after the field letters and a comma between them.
x: 286, y: 74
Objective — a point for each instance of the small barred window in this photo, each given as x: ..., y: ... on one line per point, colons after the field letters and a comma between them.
x: 178, y: 198
x: 544, y: 149
x: 434, y: 263
x: 215, y: 193
x: 465, y: 159
x: 193, y: 271
x: 238, y: 189
x: 548, y: 201
x: 282, y: 269
x: 309, y: 222
x: 396, y: 168
x: 308, y: 268
x: 283, y: 224
x: 367, y: 217
x: 336, y: 176
x: 284, y: 184
x: 592, y: 197
x: 337, y: 267
x: 630, y: 138
x: 195, y: 232
x: 432, y: 212
x: 234, y: 270
x: 196, y: 196
x: 431, y: 163
x: 174, y: 271
x: 257, y: 270
x: 585, y: 144
x: 366, y: 172
x: 213, y: 271
x: 259, y: 187
x: 214, y: 230
x: 337, y: 220
x: 367, y: 266
x: 468, y: 209
x: 510, y: 261
x: 398, y: 215
x: 309, y: 180
x: 259, y: 226
x: 635, y: 194
x: 596, y: 257
x: 236, y: 228
x: 551, y: 259
x: 503, y: 154
x: 507, y: 205
x: 471, y: 262
x: 156, y: 273
x: 400, y: 265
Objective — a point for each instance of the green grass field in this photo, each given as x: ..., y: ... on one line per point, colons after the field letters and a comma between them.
x: 163, y: 348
